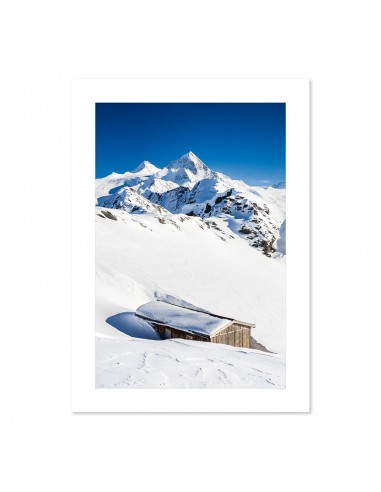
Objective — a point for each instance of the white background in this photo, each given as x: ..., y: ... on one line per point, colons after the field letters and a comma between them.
x: 45, y: 447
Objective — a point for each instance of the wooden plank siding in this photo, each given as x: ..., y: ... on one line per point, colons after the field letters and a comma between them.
x: 165, y: 332
x: 235, y: 334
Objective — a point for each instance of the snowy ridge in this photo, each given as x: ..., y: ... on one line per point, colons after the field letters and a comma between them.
x: 145, y: 168
x: 130, y: 200
x: 156, y: 185
x: 114, y: 182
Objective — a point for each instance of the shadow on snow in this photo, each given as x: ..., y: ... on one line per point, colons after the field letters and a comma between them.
x: 132, y: 326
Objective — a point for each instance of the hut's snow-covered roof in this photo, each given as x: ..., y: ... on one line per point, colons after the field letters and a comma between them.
x: 182, y: 318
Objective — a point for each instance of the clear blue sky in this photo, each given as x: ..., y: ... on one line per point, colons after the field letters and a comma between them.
x: 243, y: 140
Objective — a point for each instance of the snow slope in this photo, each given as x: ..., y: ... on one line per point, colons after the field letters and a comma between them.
x: 141, y: 258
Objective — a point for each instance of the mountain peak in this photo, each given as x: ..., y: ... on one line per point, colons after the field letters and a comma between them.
x: 189, y: 161
x: 190, y: 154
x: 145, y: 167
x: 187, y: 170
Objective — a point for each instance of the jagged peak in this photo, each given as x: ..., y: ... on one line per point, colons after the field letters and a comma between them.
x: 145, y: 166
x: 191, y: 156
x: 188, y: 160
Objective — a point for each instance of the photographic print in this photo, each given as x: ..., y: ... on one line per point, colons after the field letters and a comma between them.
x: 190, y: 261
x: 190, y: 245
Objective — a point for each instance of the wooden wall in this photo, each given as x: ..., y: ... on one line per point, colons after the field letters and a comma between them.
x: 235, y: 334
x: 166, y: 332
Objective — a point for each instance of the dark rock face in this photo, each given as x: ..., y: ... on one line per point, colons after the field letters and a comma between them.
x: 268, y: 246
x: 213, y: 225
x: 172, y: 200
x: 208, y: 208
x: 108, y: 215
x: 245, y: 230
x: 219, y: 199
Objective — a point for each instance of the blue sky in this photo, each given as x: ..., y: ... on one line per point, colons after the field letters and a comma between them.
x: 243, y: 140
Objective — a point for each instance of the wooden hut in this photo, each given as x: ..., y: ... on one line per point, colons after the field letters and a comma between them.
x: 171, y: 321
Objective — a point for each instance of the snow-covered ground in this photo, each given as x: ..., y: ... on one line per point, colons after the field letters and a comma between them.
x: 136, y: 363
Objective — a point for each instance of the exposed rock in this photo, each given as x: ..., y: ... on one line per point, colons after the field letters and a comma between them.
x: 245, y: 230
x: 219, y: 199
x: 109, y: 215
x: 208, y: 208
x: 267, y: 246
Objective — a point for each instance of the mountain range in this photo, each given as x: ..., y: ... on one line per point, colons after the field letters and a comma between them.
x: 188, y: 186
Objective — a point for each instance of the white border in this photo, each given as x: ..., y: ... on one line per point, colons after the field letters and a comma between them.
x: 295, y: 93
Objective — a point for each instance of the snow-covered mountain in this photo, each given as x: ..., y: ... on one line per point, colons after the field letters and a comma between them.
x: 187, y: 186
x: 187, y: 170
x: 114, y: 182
